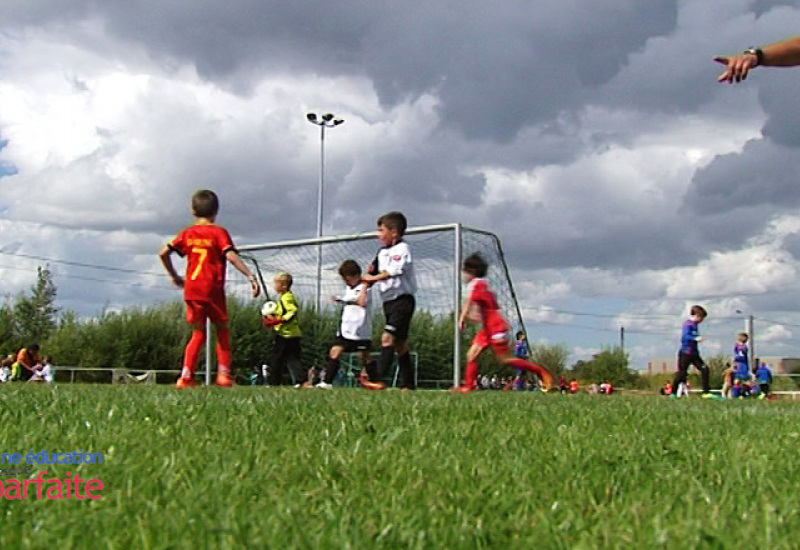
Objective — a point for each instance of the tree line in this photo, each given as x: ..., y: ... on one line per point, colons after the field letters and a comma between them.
x: 153, y: 337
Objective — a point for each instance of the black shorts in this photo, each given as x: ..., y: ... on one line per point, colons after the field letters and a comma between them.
x: 398, y: 313
x: 351, y: 346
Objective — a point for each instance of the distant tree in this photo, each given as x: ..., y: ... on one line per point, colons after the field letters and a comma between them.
x: 610, y: 364
x: 35, y: 315
x: 8, y: 339
x: 553, y: 358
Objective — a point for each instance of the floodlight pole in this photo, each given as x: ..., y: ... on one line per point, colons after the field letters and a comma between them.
x: 328, y: 120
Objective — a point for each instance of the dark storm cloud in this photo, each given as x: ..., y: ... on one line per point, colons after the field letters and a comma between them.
x: 764, y: 173
x: 496, y: 67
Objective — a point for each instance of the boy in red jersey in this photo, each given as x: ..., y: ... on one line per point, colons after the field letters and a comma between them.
x: 206, y: 247
x: 481, y: 306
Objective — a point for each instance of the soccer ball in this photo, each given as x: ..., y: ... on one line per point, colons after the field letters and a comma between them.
x: 269, y: 308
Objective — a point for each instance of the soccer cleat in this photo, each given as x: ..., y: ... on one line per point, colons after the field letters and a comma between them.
x: 185, y: 383
x: 224, y: 380
x: 306, y: 385
x: 375, y: 386
x: 462, y: 389
x: 324, y: 386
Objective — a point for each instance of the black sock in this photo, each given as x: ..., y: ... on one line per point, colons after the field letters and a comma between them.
x: 406, y: 372
x: 371, y: 369
x: 384, y: 363
x: 331, y: 370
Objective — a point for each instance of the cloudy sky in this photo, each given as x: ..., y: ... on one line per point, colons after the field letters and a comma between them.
x: 591, y: 137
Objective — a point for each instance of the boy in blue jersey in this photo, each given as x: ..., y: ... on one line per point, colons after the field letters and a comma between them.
x: 741, y: 357
x: 689, y: 354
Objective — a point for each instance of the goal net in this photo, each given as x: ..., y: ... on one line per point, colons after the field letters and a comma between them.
x: 437, y: 253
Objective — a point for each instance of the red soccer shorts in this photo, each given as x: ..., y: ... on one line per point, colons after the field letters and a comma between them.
x: 497, y: 341
x: 197, y: 312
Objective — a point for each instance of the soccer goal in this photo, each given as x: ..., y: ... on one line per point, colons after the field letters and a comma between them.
x: 437, y: 252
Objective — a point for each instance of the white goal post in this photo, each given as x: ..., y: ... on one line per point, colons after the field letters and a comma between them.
x: 436, y: 250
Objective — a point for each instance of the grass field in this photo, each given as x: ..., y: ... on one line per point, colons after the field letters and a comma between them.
x: 280, y: 468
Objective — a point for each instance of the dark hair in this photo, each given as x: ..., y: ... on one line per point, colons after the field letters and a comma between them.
x: 474, y: 264
x: 698, y: 310
x: 33, y: 347
x: 349, y: 268
x: 520, y: 334
x: 205, y: 204
x: 394, y: 220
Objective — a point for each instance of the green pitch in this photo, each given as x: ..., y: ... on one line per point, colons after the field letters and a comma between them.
x: 280, y: 468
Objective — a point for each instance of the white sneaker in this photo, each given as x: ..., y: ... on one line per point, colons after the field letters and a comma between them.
x: 324, y: 386
x: 298, y: 386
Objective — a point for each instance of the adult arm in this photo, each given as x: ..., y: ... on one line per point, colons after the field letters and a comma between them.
x: 785, y: 53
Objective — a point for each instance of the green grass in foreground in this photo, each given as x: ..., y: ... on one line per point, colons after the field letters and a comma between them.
x: 281, y: 468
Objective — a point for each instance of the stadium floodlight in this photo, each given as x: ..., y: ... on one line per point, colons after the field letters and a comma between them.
x: 328, y: 120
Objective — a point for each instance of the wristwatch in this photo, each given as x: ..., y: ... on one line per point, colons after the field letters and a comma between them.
x: 758, y: 52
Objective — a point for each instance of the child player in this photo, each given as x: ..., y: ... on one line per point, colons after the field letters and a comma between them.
x: 355, y: 327
x: 285, y: 322
x: 207, y: 247
x: 481, y: 306
x: 689, y: 353
x: 393, y: 273
x: 741, y: 357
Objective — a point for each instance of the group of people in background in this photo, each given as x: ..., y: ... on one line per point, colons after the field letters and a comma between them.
x: 26, y: 366
x: 739, y: 380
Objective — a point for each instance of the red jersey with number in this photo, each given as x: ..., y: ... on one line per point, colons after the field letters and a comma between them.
x: 204, y: 247
x: 482, y: 296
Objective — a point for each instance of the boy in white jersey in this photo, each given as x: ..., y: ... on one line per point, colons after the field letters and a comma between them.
x: 355, y: 326
x: 393, y: 273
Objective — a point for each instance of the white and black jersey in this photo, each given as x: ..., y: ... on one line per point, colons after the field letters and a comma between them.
x: 355, y: 322
x: 396, y: 261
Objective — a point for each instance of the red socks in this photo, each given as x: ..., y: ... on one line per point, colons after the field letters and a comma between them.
x: 192, y: 353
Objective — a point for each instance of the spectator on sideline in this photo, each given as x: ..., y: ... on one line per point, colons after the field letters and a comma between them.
x: 27, y: 361
x: 727, y: 380
x: 5, y: 368
x: 764, y: 379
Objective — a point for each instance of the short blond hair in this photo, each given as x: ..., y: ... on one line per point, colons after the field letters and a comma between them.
x: 286, y: 277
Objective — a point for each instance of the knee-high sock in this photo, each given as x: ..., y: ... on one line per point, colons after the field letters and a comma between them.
x: 371, y: 368
x: 193, y: 352
x: 224, y: 350
x: 539, y: 371
x: 471, y: 374
x: 384, y: 362
x: 406, y: 371
x: 331, y: 370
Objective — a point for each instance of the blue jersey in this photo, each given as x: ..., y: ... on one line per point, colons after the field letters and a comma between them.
x: 764, y: 375
x: 521, y: 349
x: 741, y: 359
x: 689, y: 335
